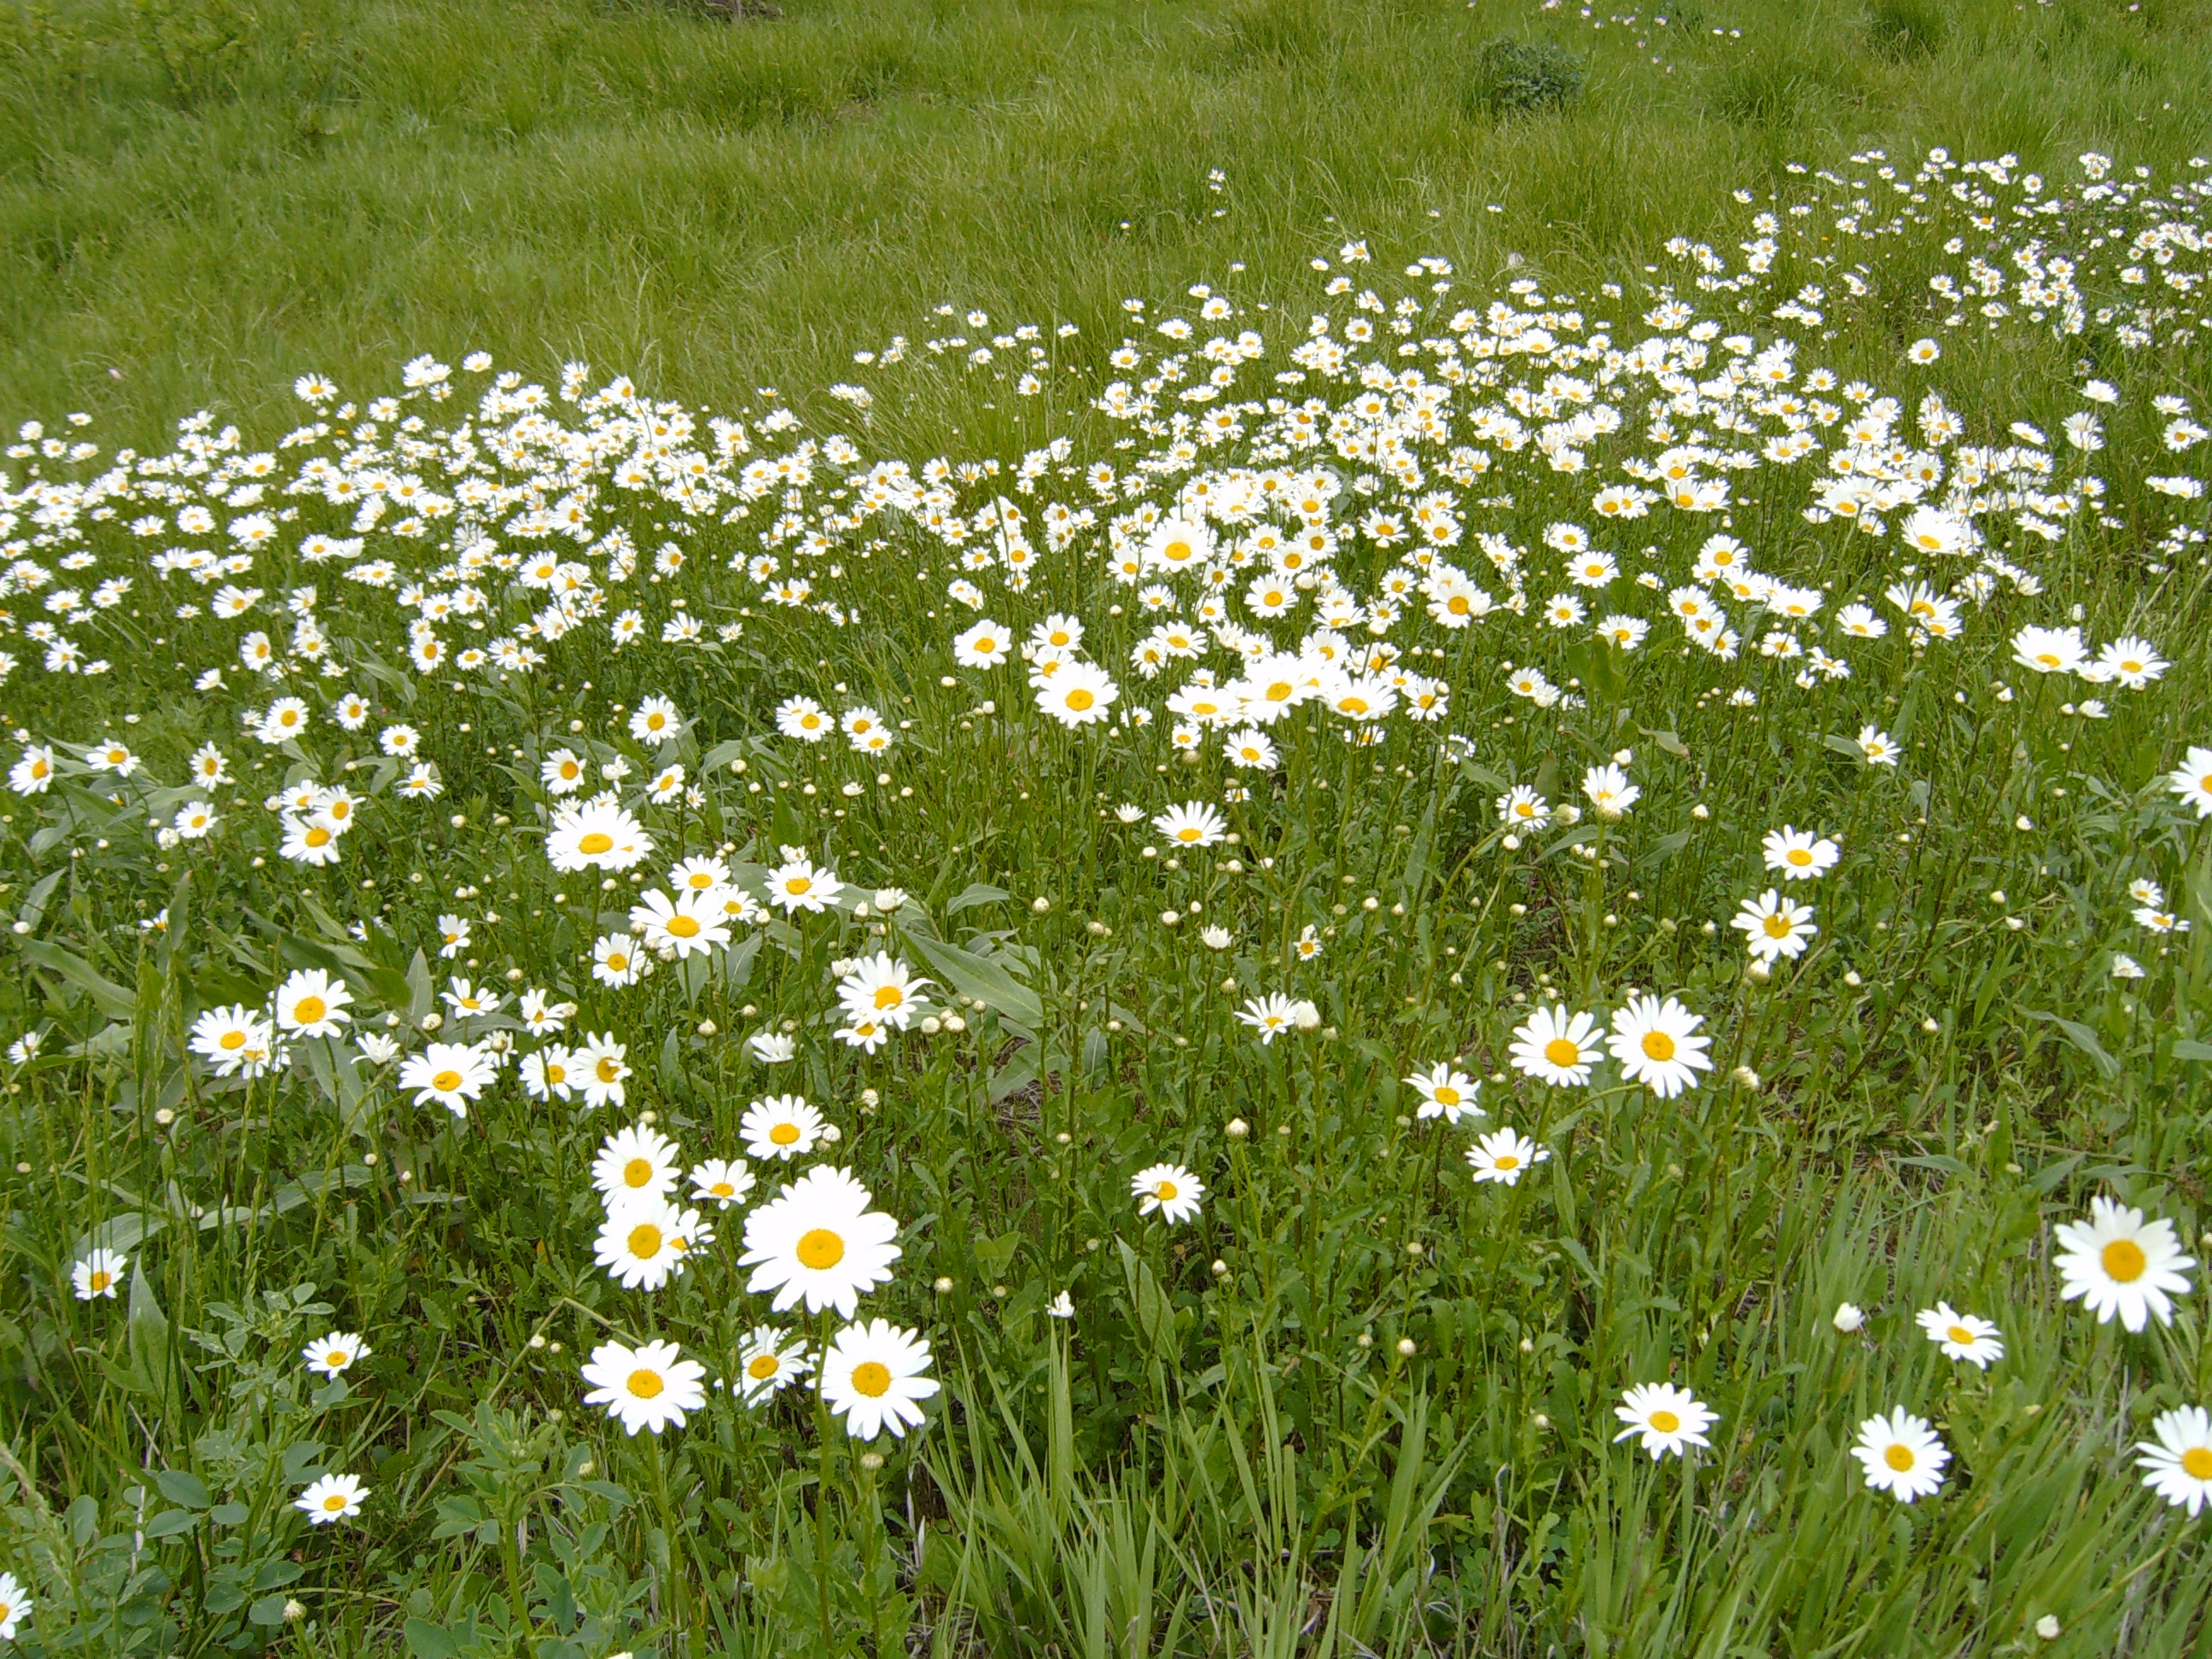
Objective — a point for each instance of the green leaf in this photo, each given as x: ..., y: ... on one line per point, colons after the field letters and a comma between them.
x: 975, y: 893
x: 269, y: 1611
x: 1844, y: 745
x: 981, y: 978
x: 106, y: 995
x: 2189, y: 1049
x: 2081, y: 1037
x: 428, y: 1641
x: 183, y: 1487
x: 171, y: 1522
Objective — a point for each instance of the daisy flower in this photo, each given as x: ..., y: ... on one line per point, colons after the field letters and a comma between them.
x: 645, y: 1242
x: 1962, y: 1336
x: 651, y: 1387
x: 882, y: 988
x: 2193, y: 781
x: 339, y: 1351
x: 873, y: 1377
x: 1667, y: 1419
x: 688, y: 924
x: 769, y: 1360
x: 1505, y: 1156
x: 818, y: 1240
x: 1773, y: 927
x: 1079, y: 693
x: 1902, y: 1456
x: 596, y: 835
x: 1169, y: 1188
x: 781, y: 1127
x: 797, y: 885
x: 1270, y: 1016
x: 451, y: 1073
x: 2118, y: 1263
x: 312, y: 1004
x: 1798, y: 855
x: 1522, y: 808
x: 1446, y: 1092
x: 984, y: 646
x: 1555, y: 1046
x: 1610, y: 794
x: 15, y: 1606
x: 97, y: 1274
x: 721, y: 1183
x: 601, y: 1069
x: 634, y: 1163
x: 1191, y: 824
x: 1658, y: 1045
x: 2176, y: 1464
x: 333, y: 1497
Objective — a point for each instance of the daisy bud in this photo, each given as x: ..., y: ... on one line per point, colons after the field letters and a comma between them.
x: 1527, y: 1346
x: 1511, y: 843
x: 706, y: 1028
x: 931, y: 1025
x: 1220, y: 1269
x: 870, y: 1100
x: 2047, y: 1627
x: 1700, y: 812
x: 1040, y: 904
x: 1404, y: 1347
x: 831, y: 1133
x: 1745, y: 1076
x: 1850, y: 1319
x: 1365, y: 1338
x: 431, y: 1022
x: 944, y: 1285
x: 1238, y: 1128
x: 1758, y: 973
x: 1541, y: 1421
x: 1930, y: 1026
x: 295, y: 1609
x: 954, y: 1022
x: 872, y: 1462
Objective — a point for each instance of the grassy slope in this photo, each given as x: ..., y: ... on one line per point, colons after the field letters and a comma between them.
x: 716, y: 206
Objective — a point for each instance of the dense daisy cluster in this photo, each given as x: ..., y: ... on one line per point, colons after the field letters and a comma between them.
x: 1515, y: 707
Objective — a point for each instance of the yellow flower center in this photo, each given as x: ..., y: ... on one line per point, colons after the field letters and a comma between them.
x: 317, y: 836
x: 101, y: 1281
x: 618, y: 962
x: 2196, y: 1462
x: 645, y: 1384
x: 1176, y: 552
x: 308, y: 1009
x: 1280, y: 691
x: 821, y: 1250
x: 984, y: 647
x: 232, y: 1041
x: 446, y: 1082
x: 597, y: 843
x: 796, y: 884
x: 638, y: 1172
x: 1563, y: 1051
x: 1507, y: 1161
x: 1799, y: 856
x: 1962, y: 1336
x: 1446, y: 1095
x: 645, y: 1241
x: 889, y: 996
x: 337, y: 1359
x: 335, y: 1501
x: 721, y: 1189
x: 1778, y: 927
x: 1165, y: 1192
x: 1665, y: 1422
x: 683, y: 927
x: 1658, y: 1045
x: 872, y: 1379
x: 571, y: 769
x: 784, y: 1134
x: 762, y: 1367
x: 1080, y: 699
x: 1898, y: 1456
x: 2123, y: 1261
x: 609, y: 1070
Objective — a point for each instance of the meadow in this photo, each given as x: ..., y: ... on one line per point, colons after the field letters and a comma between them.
x: 1105, y: 829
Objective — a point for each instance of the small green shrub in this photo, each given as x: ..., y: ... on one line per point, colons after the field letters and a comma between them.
x: 1513, y: 77
x: 1905, y: 28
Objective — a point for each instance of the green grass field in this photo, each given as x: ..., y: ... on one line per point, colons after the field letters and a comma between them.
x: 1299, y: 863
